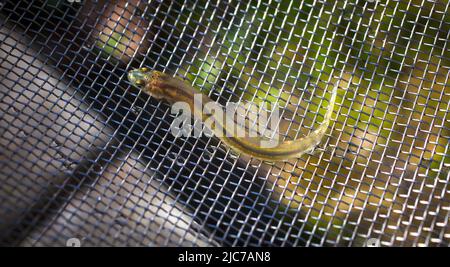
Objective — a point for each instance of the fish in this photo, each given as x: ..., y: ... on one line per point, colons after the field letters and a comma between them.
x: 172, y: 89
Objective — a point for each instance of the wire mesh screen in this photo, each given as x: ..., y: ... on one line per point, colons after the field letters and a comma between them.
x: 86, y: 157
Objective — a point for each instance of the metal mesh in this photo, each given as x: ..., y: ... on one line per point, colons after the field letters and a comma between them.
x: 85, y: 155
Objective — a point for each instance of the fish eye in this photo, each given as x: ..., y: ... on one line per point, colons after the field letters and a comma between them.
x: 138, y: 77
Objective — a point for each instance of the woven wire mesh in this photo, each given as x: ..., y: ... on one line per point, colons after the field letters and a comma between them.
x: 85, y: 155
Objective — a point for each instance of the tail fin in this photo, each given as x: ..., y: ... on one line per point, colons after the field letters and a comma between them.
x: 326, y: 120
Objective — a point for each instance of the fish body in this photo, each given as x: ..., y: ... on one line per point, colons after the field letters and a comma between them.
x: 172, y: 90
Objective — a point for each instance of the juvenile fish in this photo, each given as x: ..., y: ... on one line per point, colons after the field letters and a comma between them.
x: 172, y: 90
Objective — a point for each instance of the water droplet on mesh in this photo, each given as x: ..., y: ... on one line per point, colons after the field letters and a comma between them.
x: 179, y: 160
x: 14, y: 110
x: 208, y: 154
x: 175, y: 158
x: 22, y: 134
x: 54, y: 144
x: 136, y: 110
x: 98, y: 168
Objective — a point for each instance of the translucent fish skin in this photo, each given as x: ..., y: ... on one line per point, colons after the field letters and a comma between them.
x: 170, y: 89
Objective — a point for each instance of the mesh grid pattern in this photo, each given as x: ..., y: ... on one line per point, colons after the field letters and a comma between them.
x: 85, y: 155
